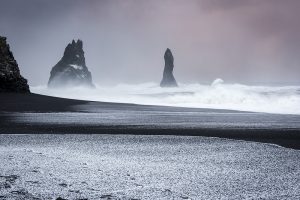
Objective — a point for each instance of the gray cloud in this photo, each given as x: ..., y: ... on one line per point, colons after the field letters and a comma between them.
x: 124, y: 41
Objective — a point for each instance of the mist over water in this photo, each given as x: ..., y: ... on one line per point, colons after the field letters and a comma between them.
x: 218, y: 95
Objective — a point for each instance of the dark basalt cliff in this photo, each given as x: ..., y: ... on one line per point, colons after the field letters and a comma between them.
x: 168, y: 78
x: 10, y: 77
x: 71, y: 70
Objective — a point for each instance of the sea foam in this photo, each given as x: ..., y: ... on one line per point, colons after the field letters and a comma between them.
x: 218, y: 95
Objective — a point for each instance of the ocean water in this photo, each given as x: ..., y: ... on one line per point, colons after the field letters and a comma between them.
x: 218, y: 95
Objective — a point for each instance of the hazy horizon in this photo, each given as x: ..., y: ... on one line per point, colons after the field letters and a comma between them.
x: 124, y: 41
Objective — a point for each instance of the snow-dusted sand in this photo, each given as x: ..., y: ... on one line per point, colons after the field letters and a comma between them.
x: 145, y: 167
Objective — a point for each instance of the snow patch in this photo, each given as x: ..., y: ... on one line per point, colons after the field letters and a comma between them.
x: 77, y: 67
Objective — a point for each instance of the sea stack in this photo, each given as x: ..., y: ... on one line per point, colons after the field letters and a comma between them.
x: 10, y: 77
x: 168, y: 78
x: 71, y: 70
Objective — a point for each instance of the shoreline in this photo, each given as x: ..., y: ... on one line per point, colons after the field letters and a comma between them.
x: 25, y: 113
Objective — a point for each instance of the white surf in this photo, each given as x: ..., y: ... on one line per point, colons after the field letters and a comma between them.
x: 218, y: 95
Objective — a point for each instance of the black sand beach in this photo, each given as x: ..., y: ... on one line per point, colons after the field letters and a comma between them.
x: 146, y: 100
x: 114, y: 167
x: 38, y: 114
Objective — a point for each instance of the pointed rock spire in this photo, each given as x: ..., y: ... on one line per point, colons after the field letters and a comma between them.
x: 71, y: 70
x: 168, y: 78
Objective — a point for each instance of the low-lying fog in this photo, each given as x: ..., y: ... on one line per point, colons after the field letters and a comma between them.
x: 218, y: 95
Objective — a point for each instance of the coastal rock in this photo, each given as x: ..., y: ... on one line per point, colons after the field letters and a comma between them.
x: 10, y: 77
x: 168, y: 78
x: 71, y: 70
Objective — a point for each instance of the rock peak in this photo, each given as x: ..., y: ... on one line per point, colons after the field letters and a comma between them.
x: 74, y: 53
x: 71, y: 70
x: 168, y: 78
x: 77, y: 43
x: 10, y: 77
x: 168, y: 55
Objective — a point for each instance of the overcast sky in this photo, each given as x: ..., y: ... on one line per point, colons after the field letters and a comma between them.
x: 243, y: 41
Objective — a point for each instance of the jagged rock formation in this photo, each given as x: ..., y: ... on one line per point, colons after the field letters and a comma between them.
x: 71, y: 70
x: 10, y: 77
x: 168, y: 78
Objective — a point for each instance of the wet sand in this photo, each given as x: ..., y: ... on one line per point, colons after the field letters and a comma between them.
x: 38, y: 114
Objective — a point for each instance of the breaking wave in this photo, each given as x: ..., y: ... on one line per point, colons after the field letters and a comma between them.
x: 218, y: 95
